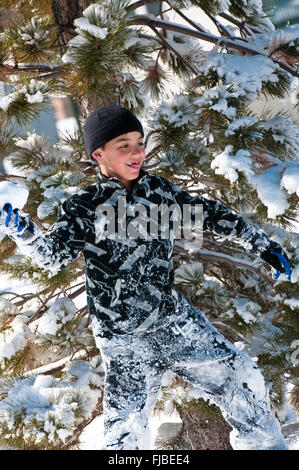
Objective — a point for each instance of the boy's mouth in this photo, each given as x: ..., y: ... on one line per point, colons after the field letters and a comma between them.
x: 134, y: 165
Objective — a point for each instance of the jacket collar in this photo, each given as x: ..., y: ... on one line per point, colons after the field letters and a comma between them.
x: 113, y: 182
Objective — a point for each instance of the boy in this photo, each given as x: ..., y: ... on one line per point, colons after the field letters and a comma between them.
x: 142, y: 326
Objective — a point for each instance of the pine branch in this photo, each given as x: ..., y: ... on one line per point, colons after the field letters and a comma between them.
x: 34, y: 154
x: 241, y: 24
x: 15, y: 295
x: 12, y: 178
x: 222, y: 29
x: 96, y: 412
x: 14, y: 69
x: 214, y: 257
x: 172, y: 49
x: 57, y: 365
x: 181, y: 14
x: 218, y: 40
x: 141, y: 3
x: 77, y: 292
x: 42, y: 309
x: 52, y: 294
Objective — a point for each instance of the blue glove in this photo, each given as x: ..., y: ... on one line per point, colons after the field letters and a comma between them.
x: 276, y: 256
x: 285, y: 263
x: 11, y: 223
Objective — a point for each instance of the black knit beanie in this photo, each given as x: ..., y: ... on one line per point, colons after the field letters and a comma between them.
x: 107, y: 123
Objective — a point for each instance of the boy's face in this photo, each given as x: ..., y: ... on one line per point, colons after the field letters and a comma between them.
x: 122, y: 157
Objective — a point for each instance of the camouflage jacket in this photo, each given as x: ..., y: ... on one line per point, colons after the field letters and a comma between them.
x: 128, y: 257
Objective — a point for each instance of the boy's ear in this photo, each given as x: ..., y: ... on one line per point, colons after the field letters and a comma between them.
x: 96, y: 154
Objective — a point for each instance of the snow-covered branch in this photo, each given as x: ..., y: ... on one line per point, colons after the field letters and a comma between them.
x: 238, y: 45
x: 215, y: 257
x: 57, y: 365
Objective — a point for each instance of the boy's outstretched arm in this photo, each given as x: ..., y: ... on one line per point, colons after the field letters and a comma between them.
x: 221, y: 221
x: 51, y: 251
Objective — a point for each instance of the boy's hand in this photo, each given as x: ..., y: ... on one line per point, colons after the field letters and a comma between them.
x: 276, y: 256
x: 11, y: 223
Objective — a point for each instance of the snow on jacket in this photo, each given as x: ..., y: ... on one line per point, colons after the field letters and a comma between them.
x: 129, y: 280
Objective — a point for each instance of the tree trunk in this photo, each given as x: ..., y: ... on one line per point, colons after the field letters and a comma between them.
x: 204, y: 426
x: 65, y: 11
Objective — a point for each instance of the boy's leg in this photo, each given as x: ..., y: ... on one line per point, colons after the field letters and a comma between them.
x: 132, y: 383
x: 227, y: 377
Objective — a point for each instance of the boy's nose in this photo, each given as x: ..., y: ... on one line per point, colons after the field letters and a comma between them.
x: 137, y: 149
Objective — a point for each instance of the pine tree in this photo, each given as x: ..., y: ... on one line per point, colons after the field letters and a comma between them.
x: 195, y: 92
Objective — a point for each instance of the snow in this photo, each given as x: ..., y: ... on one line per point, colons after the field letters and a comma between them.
x: 94, y: 9
x: 77, y: 41
x: 217, y: 99
x: 84, y: 25
x: 16, y: 194
x: 5, y: 101
x: 290, y: 178
x: 67, y: 127
x: 34, y: 93
x: 237, y: 124
x: 268, y: 185
x: 56, y: 316
x: 283, y: 131
x: 177, y: 111
x: 14, y: 340
x: 50, y: 407
x: 229, y: 164
x: 249, y: 311
x: 293, y: 303
x: 35, y: 98
x: 245, y: 74
x: 93, y: 435
x: 272, y: 185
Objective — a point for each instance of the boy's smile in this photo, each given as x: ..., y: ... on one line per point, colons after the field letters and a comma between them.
x: 122, y: 157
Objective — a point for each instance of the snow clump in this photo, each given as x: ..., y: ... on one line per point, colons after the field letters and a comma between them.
x: 42, y: 410
x: 178, y: 111
x: 13, y: 339
x: 229, y: 164
x: 61, y: 312
x: 246, y: 75
x: 88, y: 24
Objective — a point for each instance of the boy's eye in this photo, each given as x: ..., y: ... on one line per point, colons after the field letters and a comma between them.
x: 125, y: 146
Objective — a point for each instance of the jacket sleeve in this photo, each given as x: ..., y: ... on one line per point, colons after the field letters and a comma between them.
x: 219, y: 220
x: 60, y: 245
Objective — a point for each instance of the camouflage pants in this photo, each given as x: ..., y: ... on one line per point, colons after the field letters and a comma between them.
x: 194, y: 350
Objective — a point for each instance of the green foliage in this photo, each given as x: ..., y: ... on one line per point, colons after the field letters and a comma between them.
x: 25, y: 268
x: 281, y: 88
x: 30, y: 41
x: 7, y: 140
x: 27, y: 100
x: 70, y: 336
x: 114, y: 53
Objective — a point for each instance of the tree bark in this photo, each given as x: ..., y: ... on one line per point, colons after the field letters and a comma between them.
x: 204, y: 427
x: 65, y: 11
